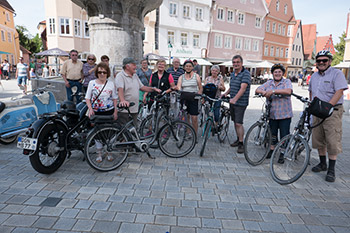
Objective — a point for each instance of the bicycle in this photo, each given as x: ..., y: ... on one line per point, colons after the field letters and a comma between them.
x: 209, y: 122
x: 291, y: 155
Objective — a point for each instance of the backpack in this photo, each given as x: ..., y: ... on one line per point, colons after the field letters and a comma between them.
x: 210, y: 90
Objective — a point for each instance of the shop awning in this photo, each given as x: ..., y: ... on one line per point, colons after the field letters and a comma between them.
x: 344, y: 64
x: 200, y: 61
x: 1, y: 52
x: 245, y: 64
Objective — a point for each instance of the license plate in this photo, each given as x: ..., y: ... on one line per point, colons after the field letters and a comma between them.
x: 27, y: 143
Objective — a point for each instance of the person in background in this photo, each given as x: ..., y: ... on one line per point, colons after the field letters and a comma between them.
x: 32, y: 73
x: 22, y: 74
x: 328, y: 84
x: 46, y: 71
x: 144, y: 73
x: 105, y: 58
x: 176, y: 71
x: 89, y: 71
x: 72, y: 73
x: 197, y: 67
x: 6, y: 69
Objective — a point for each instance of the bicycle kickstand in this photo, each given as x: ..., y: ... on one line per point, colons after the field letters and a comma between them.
x: 149, y: 155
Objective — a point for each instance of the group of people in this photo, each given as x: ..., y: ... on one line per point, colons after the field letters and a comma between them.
x: 103, y: 88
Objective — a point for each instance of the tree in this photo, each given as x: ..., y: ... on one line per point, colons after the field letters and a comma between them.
x: 340, y: 47
x: 33, y: 44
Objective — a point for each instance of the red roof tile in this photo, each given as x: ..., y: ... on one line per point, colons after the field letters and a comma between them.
x: 325, y: 43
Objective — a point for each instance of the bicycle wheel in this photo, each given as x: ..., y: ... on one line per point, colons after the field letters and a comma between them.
x: 177, y: 139
x: 207, y: 129
x: 201, y: 115
x: 103, y: 143
x: 257, y: 143
x: 224, y: 125
x: 146, y: 131
x: 289, y: 159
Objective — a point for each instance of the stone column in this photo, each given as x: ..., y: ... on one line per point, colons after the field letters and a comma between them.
x: 116, y: 27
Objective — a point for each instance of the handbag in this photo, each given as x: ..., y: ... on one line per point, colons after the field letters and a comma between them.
x: 320, y: 108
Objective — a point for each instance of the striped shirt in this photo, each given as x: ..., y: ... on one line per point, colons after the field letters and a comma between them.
x: 189, y: 85
x: 281, y: 108
x: 22, y: 69
x: 235, y: 86
x: 176, y: 74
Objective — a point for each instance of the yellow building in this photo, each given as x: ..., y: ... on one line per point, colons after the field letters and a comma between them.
x: 9, y: 40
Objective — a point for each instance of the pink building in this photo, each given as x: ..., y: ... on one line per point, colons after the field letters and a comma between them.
x: 237, y: 27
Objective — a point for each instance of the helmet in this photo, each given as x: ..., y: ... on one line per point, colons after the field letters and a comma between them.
x: 188, y: 61
x: 68, y: 105
x: 324, y: 53
x: 278, y: 66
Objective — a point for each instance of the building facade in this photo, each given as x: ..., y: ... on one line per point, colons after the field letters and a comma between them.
x: 309, y: 41
x: 237, y: 27
x: 296, y: 49
x: 325, y: 43
x: 9, y: 42
x: 278, y: 32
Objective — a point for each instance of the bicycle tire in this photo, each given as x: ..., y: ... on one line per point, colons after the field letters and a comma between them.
x: 177, y: 139
x: 224, y: 125
x: 297, y: 156
x: 256, y: 147
x: 207, y: 129
x: 146, y: 133
x: 201, y: 116
x: 108, y: 137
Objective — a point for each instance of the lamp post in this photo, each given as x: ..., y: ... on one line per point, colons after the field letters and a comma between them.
x: 170, y: 48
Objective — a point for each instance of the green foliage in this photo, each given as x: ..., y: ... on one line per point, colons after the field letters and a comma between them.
x: 33, y: 44
x: 340, y: 47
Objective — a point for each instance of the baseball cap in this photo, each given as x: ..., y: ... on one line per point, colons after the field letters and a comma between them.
x: 128, y: 60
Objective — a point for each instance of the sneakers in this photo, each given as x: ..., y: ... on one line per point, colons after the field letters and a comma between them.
x: 330, y: 177
x: 281, y: 159
x: 319, y: 167
x: 240, y: 149
x: 235, y: 144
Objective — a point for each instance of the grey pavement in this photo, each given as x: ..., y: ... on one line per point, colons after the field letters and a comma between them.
x: 217, y: 193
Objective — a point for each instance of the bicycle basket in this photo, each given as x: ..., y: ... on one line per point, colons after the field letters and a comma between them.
x: 210, y: 90
x: 320, y: 108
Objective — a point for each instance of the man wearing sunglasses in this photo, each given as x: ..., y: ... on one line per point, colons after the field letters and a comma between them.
x: 328, y: 85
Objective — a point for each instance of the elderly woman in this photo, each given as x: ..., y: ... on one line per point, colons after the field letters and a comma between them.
x: 101, y: 99
x: 89, y: 71
x: 281, y: 111
x: 191, y: 82
x: 218, y: 81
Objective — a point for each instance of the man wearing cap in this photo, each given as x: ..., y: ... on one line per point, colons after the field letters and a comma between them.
x: 128, y: 85
x: 328, y: 85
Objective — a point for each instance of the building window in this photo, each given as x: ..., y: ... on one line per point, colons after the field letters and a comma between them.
x: 2, y: 35
x: 277, y: 5
x: 171, y: 37
x: 230, y: 16
x: 272, y: 51
x: 9, y: 37
x: 298, y: 35
x: 299, y: 48
x: 268, y: 26
x: 247, y: 44
x: 77, y: 28
x: 86, y: 29
x: 274, y: 28
x: 195, y: 40
x: 52, y: 26
x: 243, y: 1
x: 266, y: 50
x: 255, y: 45
x: 279, y: 29
x: 220, y: 15
x: 183, y: 38
x: 281, y: 55
x: 258, y: 22
x: 289, y: 32
x: 65, y: 26
x: 287, y: 52
x: 238, y: 44
x: 284, y: 30
x: 228, y: 42
x: 241, y: 18
x: 218, y: 41
x: 7, y: 16
x: 293, y: 61
x: 199, y: 13
x: 277, y: 51
x: 285, y: 9
x: 186, y: 11
x: 172, y: 9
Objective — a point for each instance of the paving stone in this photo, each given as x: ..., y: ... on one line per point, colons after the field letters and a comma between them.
x: 30, y: 210
x: 45, y: 222
x: 24, y: 230
x: 3, y: 217
x: 183, y: 230
x: 86, y: 214
x: 189, y: 222
x: 211, y: 223
x: 163, y: 210
x: 20, y: 220
x: 184, y: 211
x: 84, y: 225
x: 340, y: 229
x: 131, y: 227
x: 6, y: 229
x: 64, y: 224
x: 142, y: 209
x: 156, y: 229
x: 51, y: 211
x: 248, y: 215
x: 251, y: 226
x: 223, y: 213
x: 272, y: 217
x: 125, y: 217
x: 120, y: 207
x: 100, y: 205
x: 165, y: 220
x: 295, y: 228
x: 14, y: 209
x: 319, y: 229
x: 144, y: 218
x: 271, y: 227
x: 70, y: 213
x: 232, y: 224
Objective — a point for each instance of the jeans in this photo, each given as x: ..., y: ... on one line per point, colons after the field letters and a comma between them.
x: 69, y: 90
x: 283, y: 126
x: 217, y: 108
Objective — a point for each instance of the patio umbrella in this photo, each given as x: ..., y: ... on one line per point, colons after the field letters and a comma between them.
x: 264, y: 64
x: 56, y: 52
x: 153, y: 56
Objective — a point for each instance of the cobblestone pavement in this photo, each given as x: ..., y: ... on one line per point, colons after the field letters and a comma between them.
x: 219, y: 192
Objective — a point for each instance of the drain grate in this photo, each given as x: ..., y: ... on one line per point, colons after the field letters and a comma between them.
x: 51, y: 201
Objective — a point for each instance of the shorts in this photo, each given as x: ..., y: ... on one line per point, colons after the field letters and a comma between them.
x: 6, y: 73
x: 329, y: 133
x: 192, y: 106
x: 21, y: 79
x: 237, y: 113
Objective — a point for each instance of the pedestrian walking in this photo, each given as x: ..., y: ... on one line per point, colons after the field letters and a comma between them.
x: 22, y: 74
x: 6, y: 69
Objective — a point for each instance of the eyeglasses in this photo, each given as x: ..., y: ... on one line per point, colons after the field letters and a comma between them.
x: 322, y: 60
x: 102, y: 72
x: 91, y: 59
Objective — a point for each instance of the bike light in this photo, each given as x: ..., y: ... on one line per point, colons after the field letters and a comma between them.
x: 29, y: 131
x: 26, y: 152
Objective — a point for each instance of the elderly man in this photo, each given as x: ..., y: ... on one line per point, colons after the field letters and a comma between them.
x: 72, y: 73
x: 239, y: 94
x: 176, y: 71
x: 328, y: 85
x: 128, y: 85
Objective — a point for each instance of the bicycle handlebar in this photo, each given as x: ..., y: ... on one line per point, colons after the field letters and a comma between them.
x: 301, y: 98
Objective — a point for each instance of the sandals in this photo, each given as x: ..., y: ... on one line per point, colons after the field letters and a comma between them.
x: 99, y: 158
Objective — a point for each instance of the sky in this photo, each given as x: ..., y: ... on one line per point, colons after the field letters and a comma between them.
x: 330, y: 18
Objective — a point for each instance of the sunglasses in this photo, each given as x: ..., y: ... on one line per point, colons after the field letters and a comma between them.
x: 91, y: 59
x: 322, y: 60
x: 102, y: 72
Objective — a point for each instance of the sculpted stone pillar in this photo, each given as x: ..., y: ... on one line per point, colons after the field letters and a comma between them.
x: 116, y: 27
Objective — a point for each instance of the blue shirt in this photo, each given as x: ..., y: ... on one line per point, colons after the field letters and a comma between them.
x: 176, y: 74
x: 235, y: 86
